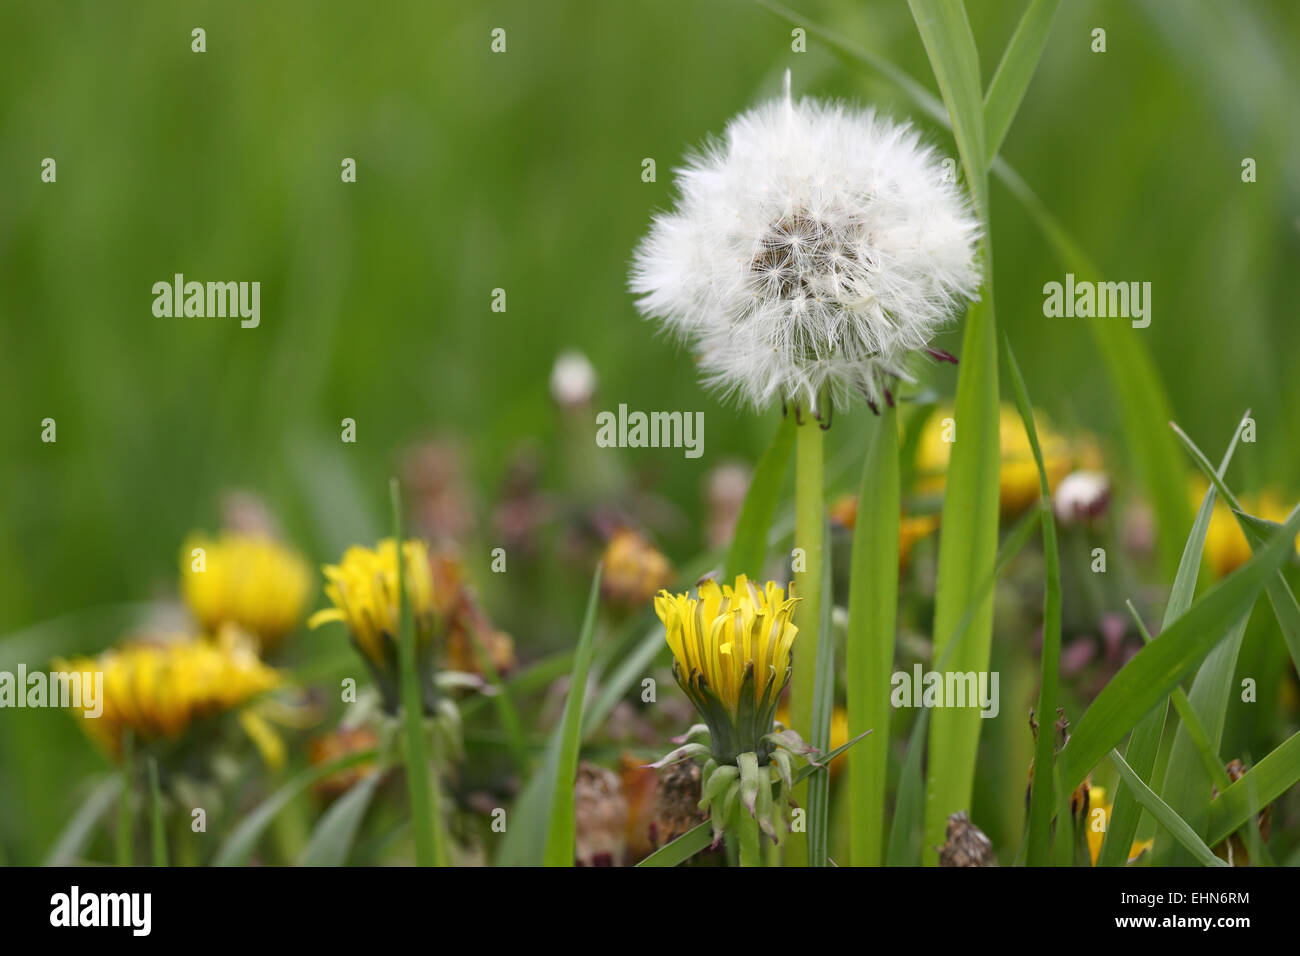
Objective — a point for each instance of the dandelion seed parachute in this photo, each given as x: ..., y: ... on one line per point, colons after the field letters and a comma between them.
x: 813, y: 249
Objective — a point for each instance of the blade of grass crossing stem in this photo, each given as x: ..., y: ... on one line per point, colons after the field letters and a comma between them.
x: 699, y: 836
x: 158, y: 834
x: 1154, y: 671
x: 242, y: 840
x: 1019, y: 61
x: 1144, y: 741
x: 905, y: 830
x: 749, y: 542
x: 560, y: 832
x: 809, y: 526
x: 1040, y: 800
x: 819, y: 786
x: 1167, y: 817
x: 426, y: 822
x: 680, y: 850
x: 869, y: 651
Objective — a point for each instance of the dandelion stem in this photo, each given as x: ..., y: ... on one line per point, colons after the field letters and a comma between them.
x: 809, y: 523
x: 425, y: 810
x: 744, y: 830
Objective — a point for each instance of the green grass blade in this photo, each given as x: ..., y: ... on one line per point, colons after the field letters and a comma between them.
x: 819, y: 786
x: 1200, y: 739
x: 1280, y: 595
x: 1188, y: 783
x: 1150, y: 676
x: 1041, y: 801
x: 1144, y: 742
x: 561, y: 830
x: 869, y: 651
x: 1019, y: 61
x: 426, y: 823
x: 968, y: 540
x: 809, y: 537
x: 680, y: 850
x: 1256, y: 531
x: 950, y: 45
x: 332, y: 838
x: 75, y: 836
x: 158, y: 833
x: 749, y: 542
x: 1169, y: 819
x: 905, y: 830
x: 967, y: 551
x: 242, y: 840
x: 1062, y: 848
x: 1258, y: 787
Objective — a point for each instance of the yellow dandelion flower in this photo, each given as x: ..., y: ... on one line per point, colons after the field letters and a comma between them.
x: 363, y: 590
x: 1226, y: 547
x: 162, y: 690
x: 251, y: 581
x: 731, y: 655
x: 1096, y: 826
x: 1018, y: 474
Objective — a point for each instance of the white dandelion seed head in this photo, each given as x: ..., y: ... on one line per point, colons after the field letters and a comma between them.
x: 813, y: 248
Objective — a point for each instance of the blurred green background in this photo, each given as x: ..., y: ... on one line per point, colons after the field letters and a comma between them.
x: 522, y: 171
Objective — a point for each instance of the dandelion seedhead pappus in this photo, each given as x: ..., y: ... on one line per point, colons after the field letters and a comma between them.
x: 813, y: 249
